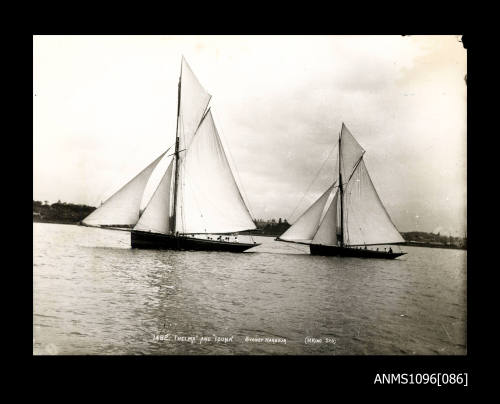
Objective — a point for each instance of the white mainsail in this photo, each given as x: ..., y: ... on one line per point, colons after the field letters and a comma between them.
x: 365, y: 219
x: 306, y: 226
x: 156, y: 215
x: 122, y: 208
x: 209, y: 198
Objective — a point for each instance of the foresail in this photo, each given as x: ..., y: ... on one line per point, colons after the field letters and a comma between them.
x: 365, y: 219
x: 194, y: 100
x: 209, y: 200
x: 351, y: 152
x: 156, y: 216
x: 327, y: 231
x: 306, y: 225
x: 122, y: 208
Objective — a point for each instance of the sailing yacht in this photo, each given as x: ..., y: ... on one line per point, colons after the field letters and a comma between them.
x: 197, y: 198
x: 348, y: 219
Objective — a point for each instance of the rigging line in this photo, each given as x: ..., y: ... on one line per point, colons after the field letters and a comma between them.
x: 168, y: 155
x: 314, y: 179
x: 354, y: 169
x: 207, y: 109
x: 246, y: 200
x: 398, y: 243
x: 205, y: 113
x: 293, y: 242
x: 295, y: 248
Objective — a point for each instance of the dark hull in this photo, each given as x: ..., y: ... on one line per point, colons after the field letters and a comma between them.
x: 156, y: 241
x: 317, y: 249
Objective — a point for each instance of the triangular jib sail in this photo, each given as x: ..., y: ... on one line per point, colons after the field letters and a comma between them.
x: 327, y: 230
x: 156, y: 216
x: 306, y: 226
x: 122, y: 208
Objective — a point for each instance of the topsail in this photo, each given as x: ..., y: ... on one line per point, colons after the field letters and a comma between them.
x: 193, y: 102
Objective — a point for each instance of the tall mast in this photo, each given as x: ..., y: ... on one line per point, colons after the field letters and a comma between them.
x: 341, y: 190
x: 176, y: 154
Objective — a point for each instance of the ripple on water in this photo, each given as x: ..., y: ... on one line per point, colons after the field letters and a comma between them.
x: 95, y: 295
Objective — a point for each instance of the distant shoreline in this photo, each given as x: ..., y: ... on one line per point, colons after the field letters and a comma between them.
x: 36, y: 220
x: 431, y: 245
x: 68, y: 213
x: 254, y: 233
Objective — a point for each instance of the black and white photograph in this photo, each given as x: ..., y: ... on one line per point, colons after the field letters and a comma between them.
x: 255, y: 195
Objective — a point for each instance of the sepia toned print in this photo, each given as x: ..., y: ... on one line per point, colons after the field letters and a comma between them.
x: 254, y: 195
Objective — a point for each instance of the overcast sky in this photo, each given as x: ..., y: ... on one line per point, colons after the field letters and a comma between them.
x: 105, y: 107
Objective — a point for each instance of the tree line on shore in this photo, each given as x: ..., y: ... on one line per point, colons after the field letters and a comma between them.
x: 69, y: 213
x: 60, y: 212
x: 434, y: 239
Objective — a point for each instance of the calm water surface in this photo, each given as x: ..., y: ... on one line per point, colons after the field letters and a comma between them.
x: 93, y: 294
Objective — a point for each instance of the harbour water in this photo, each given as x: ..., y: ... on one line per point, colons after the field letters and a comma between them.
x: 93, y: 294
